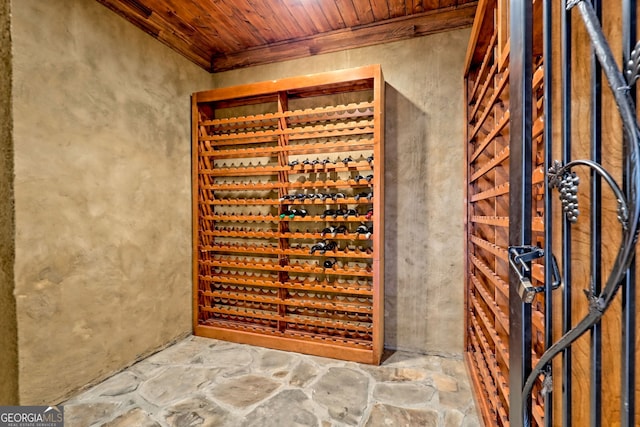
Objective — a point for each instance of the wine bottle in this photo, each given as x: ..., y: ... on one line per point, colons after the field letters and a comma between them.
x: 292, y: 213
x: 350, y: 212
x: 341, y: 229
x: 299, y: 212
x: 293, y: 163
x: 369, y: 213
x: 337, y: 196
x: 328, y: 212
x: 369, y: 232
x: 329, y: 263
x: 362, y: 229
x: 323, y: 247
x: 338, y: 213
x: 363, y: 195
x: 317, y: 247
x: 330, y: 246
x: 328, y: 230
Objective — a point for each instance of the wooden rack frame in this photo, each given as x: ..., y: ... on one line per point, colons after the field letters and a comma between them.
x: 488, y: 183
x: 257, y: 150
x: 487, y: 226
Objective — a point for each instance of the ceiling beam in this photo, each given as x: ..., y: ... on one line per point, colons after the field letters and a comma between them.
x: 431, y: 22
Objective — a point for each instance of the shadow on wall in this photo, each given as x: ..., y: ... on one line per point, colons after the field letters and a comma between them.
x: 405, y: 219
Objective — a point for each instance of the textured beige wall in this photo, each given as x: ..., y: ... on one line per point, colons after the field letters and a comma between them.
x: 8, y: 348
x: 103, y: 199
x: 424, y: 181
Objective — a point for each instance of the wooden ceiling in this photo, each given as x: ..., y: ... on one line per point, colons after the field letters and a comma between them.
x: 221, y: 35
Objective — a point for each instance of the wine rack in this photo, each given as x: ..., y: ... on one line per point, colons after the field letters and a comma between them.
x: 487, y: 276
x: 288, y: 214
x: 488, y: 179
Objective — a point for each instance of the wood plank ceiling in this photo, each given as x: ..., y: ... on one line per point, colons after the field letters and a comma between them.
x: 221, y: 35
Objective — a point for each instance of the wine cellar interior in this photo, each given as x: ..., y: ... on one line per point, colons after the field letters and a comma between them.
x: 358, y: 210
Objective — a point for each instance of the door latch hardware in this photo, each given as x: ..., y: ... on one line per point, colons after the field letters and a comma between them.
x: 520, y: 258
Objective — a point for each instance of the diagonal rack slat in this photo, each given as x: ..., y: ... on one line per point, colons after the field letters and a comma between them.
x: 288, y: 214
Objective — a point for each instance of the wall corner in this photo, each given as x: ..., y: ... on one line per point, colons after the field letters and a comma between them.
x: 8, y: 320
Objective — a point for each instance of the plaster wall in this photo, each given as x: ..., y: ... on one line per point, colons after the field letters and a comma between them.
x: 8, y: 344
x: 424, y: 181
x: 102, y: 194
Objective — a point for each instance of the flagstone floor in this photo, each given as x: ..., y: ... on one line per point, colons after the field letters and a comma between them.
x: 204, y: 382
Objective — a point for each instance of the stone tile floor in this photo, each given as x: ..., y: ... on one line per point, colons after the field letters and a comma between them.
x: 204, y: 382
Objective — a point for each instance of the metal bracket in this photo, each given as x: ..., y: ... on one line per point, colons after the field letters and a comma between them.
x: 520, y: 257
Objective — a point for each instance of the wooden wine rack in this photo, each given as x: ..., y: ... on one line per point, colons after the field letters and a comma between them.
x: 487, y: 223
x: 278, y: 168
